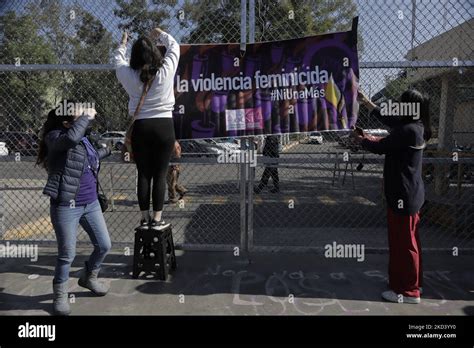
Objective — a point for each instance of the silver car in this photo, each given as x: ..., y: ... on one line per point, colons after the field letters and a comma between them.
x: 114, y: 139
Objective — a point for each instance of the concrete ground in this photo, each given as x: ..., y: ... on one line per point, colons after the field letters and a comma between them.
x: 220, y: 283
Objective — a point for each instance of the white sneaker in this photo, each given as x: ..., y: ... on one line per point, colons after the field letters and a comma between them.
x: 159, y: 225
x: 391, y: 296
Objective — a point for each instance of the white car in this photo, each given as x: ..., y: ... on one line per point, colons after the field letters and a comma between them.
x: 315, y: 138
x: 3, y: 149
x: 312, y: 138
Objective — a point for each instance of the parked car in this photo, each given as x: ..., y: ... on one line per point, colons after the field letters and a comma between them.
x: 3, y: 149
x: 114, y: 139
x: 94, y: 138
x: 27, y: 144
x: 225, y: 144
x: 199, y: 147
x: 314, y: 138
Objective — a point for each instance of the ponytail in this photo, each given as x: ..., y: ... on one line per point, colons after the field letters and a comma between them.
x: 147, y: 73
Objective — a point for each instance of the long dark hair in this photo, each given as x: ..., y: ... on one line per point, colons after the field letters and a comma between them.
x: 53, y: 122
x: 146, y: 58
x: 414, y: 96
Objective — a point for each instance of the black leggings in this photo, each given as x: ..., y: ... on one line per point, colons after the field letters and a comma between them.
x: 152, y: 143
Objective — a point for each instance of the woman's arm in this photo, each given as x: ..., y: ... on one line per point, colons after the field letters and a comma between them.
x: 374, y: 111
x: 104, y: 152
x: 389, y: 121
x: 171, y: 58
x: 63, y: 142
x: 58, y: 141
x: 122, y: 67
x: 119, y: 55
x: 393, y: 142
x: 363, y: 99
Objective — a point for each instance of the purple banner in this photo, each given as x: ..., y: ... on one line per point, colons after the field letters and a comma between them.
x: 289, y: 86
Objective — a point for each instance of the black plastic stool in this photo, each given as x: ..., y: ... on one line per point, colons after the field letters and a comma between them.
x: 154, y: 252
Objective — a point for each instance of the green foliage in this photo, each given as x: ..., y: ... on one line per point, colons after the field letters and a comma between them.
x: 47, y: 34
x: 139, y: 17
x: 93, y: 44
x: 219, y: 21
x: 23, y: 95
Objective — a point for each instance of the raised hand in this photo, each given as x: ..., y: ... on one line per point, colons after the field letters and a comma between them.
x: 124, y: 38
x: 89, y: 112
x: 155, y: 33
x: 362, y: 98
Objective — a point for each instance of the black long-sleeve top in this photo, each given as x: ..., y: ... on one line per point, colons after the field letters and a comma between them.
x: 403, y: 150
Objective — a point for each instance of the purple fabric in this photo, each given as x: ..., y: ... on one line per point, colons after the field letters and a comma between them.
x: 88, y: 187
x: 92, y: 155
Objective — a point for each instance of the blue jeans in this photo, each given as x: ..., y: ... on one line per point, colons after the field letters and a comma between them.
x: 65, y: 222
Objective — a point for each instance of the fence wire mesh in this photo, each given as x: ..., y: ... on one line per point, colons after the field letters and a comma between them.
x: 54, y: 50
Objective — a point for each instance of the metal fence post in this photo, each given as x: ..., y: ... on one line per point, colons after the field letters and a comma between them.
x: 250, y: 210
x: 251, y: 170
x: 243, y: 203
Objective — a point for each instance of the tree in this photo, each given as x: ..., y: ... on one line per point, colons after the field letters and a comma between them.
x: 93, y: 44
x: 138, y: 18
x: 219, y: 20
x: 24, y: 95
x: 212, y: 21
x: 51, y: 33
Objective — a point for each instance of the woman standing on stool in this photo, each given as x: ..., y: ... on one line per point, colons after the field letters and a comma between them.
x: 148, y: 81
x: 73, y: 165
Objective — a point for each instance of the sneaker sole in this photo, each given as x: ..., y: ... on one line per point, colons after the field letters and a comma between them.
x: 62, y: 314
x: 409, y: 300
x: 160, y: 228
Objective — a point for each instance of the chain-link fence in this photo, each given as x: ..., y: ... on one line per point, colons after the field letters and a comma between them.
x: 326, y: 189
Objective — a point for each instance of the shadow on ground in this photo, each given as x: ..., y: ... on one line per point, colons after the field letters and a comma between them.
x: 220, y: 283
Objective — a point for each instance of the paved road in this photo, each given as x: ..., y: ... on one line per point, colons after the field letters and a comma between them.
x: 308, y: 211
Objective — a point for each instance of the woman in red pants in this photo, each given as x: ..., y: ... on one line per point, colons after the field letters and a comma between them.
x: 404, y: 188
